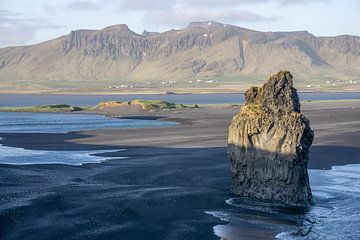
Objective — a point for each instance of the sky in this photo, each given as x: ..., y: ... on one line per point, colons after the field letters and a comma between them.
x: 24, y: 22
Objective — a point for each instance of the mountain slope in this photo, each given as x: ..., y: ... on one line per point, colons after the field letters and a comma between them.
x: 202, y: 50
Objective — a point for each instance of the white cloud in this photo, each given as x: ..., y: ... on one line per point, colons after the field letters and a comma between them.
x: 149, y: 5
x: 181, y: 17
x: 82, y: 5
x: 180, y: 12
x: 17, y: 30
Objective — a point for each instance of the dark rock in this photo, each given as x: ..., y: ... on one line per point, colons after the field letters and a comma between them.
x: 2, y: 63
x: 197, y: 65
x: 208, y: 24
x: 269, y: 142
x: 251, y: 94
x: 149, y: 34
x: 277, y: 96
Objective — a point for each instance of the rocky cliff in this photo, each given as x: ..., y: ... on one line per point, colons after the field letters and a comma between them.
x: 269, y: 142
x: 200, y: 50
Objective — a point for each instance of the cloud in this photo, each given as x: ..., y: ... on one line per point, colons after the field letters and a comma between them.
x: 177, y: 13
x: 16, y: 30
x: 185, y: 16
x: 82, y: 5
x: 146, y: 5
x: 77, y: 5
x: 292, y: 2
x: 180, y: 12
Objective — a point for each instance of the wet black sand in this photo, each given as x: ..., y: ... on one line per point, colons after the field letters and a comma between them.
x: 172, y: 176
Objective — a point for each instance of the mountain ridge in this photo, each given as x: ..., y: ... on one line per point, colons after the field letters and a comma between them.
x: 202, y: 50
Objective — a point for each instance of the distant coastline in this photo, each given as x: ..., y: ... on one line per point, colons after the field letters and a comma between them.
x: 162, y: 91
x: 88, y: 100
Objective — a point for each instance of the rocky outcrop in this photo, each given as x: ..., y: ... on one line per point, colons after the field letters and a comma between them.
x: 268, y: 145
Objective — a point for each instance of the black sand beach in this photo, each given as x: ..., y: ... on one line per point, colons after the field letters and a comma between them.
x: 172, y: 176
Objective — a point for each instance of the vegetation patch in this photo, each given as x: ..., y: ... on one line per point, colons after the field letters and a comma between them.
x: 43, y: 108
x: 140, y: 104
x: 251, y: 109
x: 157, y: 104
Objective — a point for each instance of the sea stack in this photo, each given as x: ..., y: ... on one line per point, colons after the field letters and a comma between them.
x: 268, y: 145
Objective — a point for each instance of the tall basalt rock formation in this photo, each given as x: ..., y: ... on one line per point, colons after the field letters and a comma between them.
x: 268, y: 145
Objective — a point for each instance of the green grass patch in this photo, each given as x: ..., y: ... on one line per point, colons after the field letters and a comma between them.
x: 157, y: 104
x: 43, y: 108
x: 142, y: 104
x: 252, y: 108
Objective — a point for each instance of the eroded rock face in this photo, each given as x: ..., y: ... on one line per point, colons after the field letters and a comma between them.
x: 268, y: 145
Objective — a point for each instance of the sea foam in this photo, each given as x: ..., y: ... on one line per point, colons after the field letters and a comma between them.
x: 21, y: 156
x: 335, y: 215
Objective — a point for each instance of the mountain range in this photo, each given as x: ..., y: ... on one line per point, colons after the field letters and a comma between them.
x: 202, y: 50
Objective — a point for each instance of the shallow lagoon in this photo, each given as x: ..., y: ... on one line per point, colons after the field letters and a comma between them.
x: 21, y: 100
x: 25, y: 122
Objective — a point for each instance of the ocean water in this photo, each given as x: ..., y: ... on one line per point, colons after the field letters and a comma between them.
x: 12, y: 122
x: 20, y: 156
x: 25, y: 122
x: 335, y: 215
x: 13, y: 100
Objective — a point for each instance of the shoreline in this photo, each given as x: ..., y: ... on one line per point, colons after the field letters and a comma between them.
x: 146, y: 114
x: 194, y: 126
x: 170, y: 178
x: 157, y: 92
